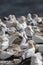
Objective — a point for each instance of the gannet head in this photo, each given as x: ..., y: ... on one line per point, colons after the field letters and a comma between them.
x: 35, y: 15
x: 29, y: 27
x: 29, y: 15
x: 17, y: 34
x: 17, y: 47
x: 22, y: 19
x: 31, y: 43
x: 14, y: 24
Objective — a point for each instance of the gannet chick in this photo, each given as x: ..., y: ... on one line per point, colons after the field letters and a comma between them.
x: 38, y: 19
x: 29, y: 52
x: 4, y: 43
x: 35, y: 60
x: 23, y: 21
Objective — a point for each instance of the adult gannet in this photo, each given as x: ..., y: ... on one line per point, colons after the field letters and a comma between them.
x: 35, y: 60
x: 14, y: 37
x: 29, y: 52
x: 11, y: 30
x: 37, y: 38
x: 40, y: 47
x: 5, y: 54
x: 38, y: 19
x: 28, y: 32
x: 23, y: 21
x: 29, y: 17
x: 17, y: 50
x: 3, y: 28
x: 10, y: 21
x: 4, y: 42
x: 12, y: 18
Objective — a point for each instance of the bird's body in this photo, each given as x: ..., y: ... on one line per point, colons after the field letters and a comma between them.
x: 35, y: 60
x: 4, y: 43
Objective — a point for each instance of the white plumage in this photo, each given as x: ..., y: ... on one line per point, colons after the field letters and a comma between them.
x: 35, y: 60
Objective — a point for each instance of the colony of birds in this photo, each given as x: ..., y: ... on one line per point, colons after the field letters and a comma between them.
x: 21, y: 38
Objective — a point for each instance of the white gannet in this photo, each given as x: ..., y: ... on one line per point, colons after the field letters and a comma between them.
x: 39, y: 55
x: 35, y: 60
x: 23, y: 21
x: 13, y: 37
x: 24, y: 38
x: 37, y: 38
x: 5, y: 54
x: 36, y: 29
x: 12, y: 18
x: 29, y: 17
x: 38, y: 19
x: 11, y: 30
x: 10, y: 21
x: 17, y: 50
x: 29, y: 52
x: 3, y: 28
x: 40, y: 47
x: 4, y: 42
x: 27, y: 30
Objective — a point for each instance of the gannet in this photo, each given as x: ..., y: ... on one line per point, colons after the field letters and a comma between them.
x: 3, y: 28
x: 40, y: 47
x: 13, y: 37
x: 4, y: 42
x: 10, y: 21
x: 28, y: 32
x: 16, y: 49
x: 39, y: 55
x: 5, y: 54
x: 38, y: 19
x: 29, y: 17
x: 29, y: 51
x: 11, y: 30
x: 23, y: 21
x: 35, y: 60
x: 37, y: 38
x: 24, y: 38
x: 12, y: 18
